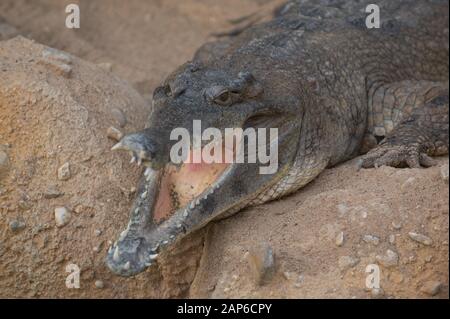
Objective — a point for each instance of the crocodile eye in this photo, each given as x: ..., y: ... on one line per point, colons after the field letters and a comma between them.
x: 223, y: 98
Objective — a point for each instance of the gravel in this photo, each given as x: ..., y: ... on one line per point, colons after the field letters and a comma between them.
x: 62, y: 216
x: 424, y: 240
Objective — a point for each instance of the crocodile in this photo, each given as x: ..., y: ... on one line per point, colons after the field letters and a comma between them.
x: 334, y: 89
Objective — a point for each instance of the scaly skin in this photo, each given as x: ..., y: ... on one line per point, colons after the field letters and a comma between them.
x: 331, y: 86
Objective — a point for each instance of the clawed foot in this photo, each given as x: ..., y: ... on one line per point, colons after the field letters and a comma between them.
x: 396, y: 156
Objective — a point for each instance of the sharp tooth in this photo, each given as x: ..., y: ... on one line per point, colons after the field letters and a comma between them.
x: 192, y: 205
x: 116, y: 255
x: 148, y: 264
x: 116, y: 147
x: 123, y: 235
x: 152, y: 257
x: 179, y: 225
x: 144, y: 195
x: 110, y: 250
x: 165, y: 242
x: 139, y: 161
x: 147, y: 171
x: 127, y: 266
x: 133, y: 159
x: 197, y: 202
x: 172, y: 236
x: 185, y: 213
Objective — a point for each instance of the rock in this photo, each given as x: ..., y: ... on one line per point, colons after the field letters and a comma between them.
x: 431, y: 288
x: 390, y: 259
x: 64, y: 172
x: 444, y: 172
x: 427, y: 241
x: 396, y: 225
x: 114, y: 133
x: 371, y: 239
x: 261, y: 261
x: 347, y: 262
x: 79, y: 209
x: 295, y: 278
x: 99, y: 284
x: 4, y: 163
x: 52, y: 192
x: 97, y: 232
x: 16, y: 225
x: 119, y: 116
x: 62, y: 216
x: 340, y: 239
x: 57, y: 61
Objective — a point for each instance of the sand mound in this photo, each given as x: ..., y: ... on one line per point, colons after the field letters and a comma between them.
x: 55, y: 111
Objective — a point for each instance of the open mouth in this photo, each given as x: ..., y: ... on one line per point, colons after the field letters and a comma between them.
x: 178, y: 198
x: 163, y: 210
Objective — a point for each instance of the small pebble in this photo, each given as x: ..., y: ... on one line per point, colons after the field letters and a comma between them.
x: 261, y: 260
x: 16, y: 225
x: 114, y: 134
x: 427, y: 241
x: 390, y: 259
x: 99, y: 284
x: 371, y: 239
x: 62, y: 216
x: 57, y: 61
x: 431, y: 288
x: 64, y: 172
x: 97, y: 232
x: 52, y: 192
x: 396, y: 225
x: 340, y: 239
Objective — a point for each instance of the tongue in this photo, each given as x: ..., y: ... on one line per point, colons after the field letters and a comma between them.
x: 179, y: 187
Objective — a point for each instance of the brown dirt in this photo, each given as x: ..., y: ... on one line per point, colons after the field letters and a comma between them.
x: 49, y: 117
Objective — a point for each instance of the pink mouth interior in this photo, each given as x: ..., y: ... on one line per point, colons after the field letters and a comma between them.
x: 180, y: 186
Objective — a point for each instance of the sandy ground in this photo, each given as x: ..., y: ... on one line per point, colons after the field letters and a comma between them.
x: 56, y: 109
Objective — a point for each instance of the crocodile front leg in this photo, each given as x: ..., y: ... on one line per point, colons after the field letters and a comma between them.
x: 424, y: 133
